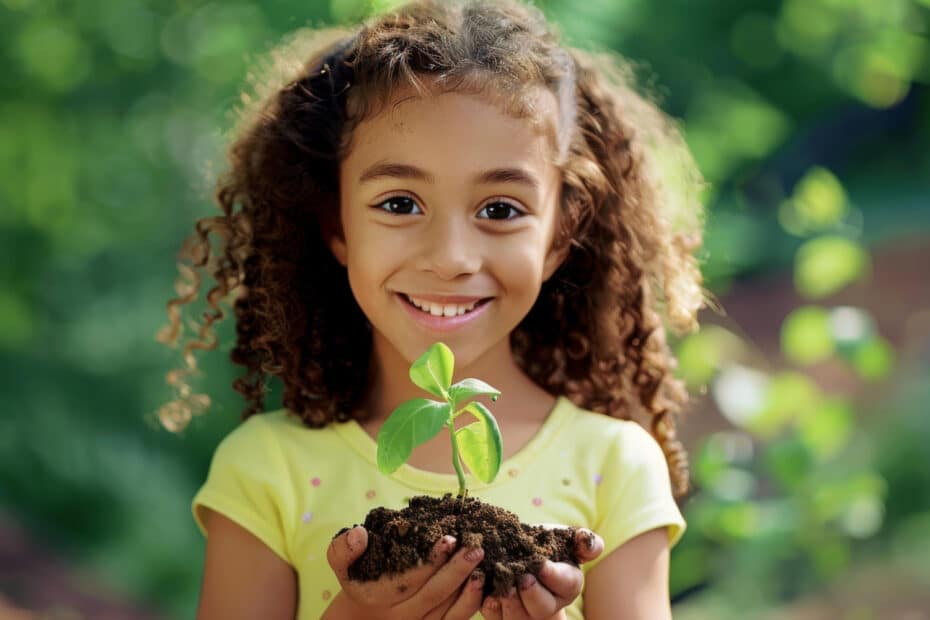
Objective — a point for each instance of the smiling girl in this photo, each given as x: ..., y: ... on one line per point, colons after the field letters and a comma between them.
x: 447, y: 171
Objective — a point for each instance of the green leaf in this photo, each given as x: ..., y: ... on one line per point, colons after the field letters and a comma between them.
x: 433, y: 370
x: 469, y: 388
x: 408, y: 426
x: 480, y: 444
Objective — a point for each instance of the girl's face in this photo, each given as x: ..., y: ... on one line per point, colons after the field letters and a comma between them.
x: 449, y: 200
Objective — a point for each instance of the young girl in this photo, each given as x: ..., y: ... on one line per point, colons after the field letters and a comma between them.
x: 446, y: 172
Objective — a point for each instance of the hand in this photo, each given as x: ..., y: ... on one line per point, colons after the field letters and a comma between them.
x: 557, y: 586
x: 445, y: 587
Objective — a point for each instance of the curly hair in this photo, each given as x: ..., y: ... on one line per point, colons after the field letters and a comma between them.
x: 629, y: 213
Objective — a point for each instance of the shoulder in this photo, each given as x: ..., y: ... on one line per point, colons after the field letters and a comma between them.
x: 271, y: 441
x: 271, y: 429
x: 618, y: 440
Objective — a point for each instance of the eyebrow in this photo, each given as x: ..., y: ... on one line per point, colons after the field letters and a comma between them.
x: 405, y: 171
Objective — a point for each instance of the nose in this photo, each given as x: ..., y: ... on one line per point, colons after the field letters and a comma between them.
x: 449, y: 248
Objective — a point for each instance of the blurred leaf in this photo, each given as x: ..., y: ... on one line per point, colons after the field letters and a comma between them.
x: 805, y: 335
x: 739, y: 520
x: 874, y: 358
x: 17, y: 325
x: 879, y: 70
x: 54, y: 54
x: 830, y: 556
x: 790, y: 394
x: 819, y: 202
x: 826, y: 428
x: 753, y: 40
x: 806, y: 27
x: 700, y: 354
x: 833, y: 497
x: 826, y: 264
x: 729, y: 122
x: 789, y: 462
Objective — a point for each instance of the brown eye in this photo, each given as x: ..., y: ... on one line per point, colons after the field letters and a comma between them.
x: 398, y: 205
x: 501, y: 211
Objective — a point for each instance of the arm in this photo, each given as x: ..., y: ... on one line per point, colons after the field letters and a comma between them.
x: 242, y: 577
x: 632, y: 582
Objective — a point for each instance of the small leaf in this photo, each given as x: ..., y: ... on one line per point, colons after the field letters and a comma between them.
x: 480, y: 443
x: 469, y: 388
x: 433, y: 370
x: 408, y: 426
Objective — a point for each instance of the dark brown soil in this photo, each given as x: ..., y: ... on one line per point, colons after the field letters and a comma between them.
x: 401, y: 539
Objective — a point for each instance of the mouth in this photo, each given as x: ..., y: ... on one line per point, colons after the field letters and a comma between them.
x: 443, y: 310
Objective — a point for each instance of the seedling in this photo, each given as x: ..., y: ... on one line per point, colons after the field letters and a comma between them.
x: 478, y: 445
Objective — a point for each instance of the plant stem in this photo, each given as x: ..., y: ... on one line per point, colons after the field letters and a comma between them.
x: 456, y: 461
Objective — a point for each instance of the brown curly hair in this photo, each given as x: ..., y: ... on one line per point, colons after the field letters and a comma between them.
x: 629, y: 212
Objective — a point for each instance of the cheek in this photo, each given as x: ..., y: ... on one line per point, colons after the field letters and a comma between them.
x: 521, y: 266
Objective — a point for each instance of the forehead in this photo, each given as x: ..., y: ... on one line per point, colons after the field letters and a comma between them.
x: 460, y: 128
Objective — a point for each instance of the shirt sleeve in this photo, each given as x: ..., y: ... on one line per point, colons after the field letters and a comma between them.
x: 635, y: 492
x: 248, y: 483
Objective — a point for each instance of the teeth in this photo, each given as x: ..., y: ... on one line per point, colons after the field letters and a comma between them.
x: 448, y: 310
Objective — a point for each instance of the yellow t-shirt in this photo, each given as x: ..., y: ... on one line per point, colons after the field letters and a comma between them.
x: 294, y: 487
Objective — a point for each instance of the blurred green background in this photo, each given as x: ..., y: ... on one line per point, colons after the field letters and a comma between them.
x: 809, y: 429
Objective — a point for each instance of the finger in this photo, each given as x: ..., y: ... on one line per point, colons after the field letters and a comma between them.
x: 439, y: 613
x: 563, y: 580
x: 512, y: 607
x: 391, y: 590
x: 491, y: 609
x: 446, y: 581
x: 588, y: 545
x: 537, y: 600
x: 345, y: 549
x: 468, y: 601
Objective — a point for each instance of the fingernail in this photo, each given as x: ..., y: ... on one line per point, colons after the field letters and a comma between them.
x: 473, y: 555
x: 512, y: 592
x: 354, y: 539
x: 527, y: 581
x: 476, y: 580
x: 588, y: 539
x: 448, y: 542
x: 492, y: 604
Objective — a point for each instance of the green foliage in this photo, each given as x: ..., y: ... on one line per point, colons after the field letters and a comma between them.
x: 411, y: 424
x: 479, y: 445
x: 827, y: 264
x: 470, y: 388
x: 433, y: 370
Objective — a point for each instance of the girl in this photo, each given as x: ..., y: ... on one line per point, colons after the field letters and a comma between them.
x: 447, y: 171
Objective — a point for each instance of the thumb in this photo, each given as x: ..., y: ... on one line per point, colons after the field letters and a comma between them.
x: 588, y: 545
x: 345, y: 549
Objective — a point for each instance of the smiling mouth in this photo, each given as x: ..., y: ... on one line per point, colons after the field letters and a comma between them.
x: 446, y: 310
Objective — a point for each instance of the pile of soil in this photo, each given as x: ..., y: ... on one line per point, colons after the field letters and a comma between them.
x: 401, y: 539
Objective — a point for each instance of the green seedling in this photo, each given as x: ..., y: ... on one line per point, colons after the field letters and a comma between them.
x: 478, y: 446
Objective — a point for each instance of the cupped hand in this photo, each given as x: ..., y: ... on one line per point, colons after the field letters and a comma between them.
x: 559, y: 583
x: 445, y: 587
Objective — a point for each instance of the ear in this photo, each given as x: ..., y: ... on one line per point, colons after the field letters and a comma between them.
x: 337, y: 245
x: 554, y: 259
